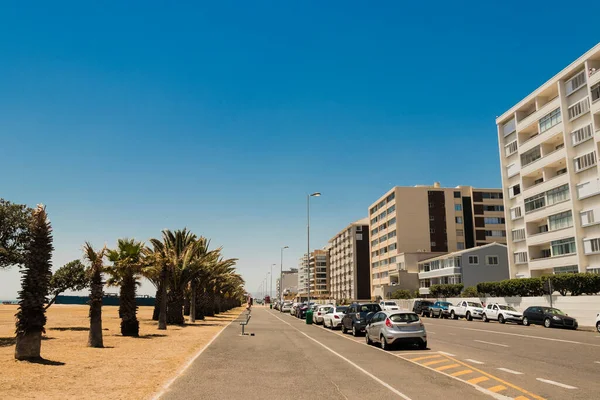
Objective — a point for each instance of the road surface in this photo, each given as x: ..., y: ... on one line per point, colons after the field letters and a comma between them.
x: 287, y: 359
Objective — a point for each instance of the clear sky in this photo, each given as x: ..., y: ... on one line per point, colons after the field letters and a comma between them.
x: 125, y: 119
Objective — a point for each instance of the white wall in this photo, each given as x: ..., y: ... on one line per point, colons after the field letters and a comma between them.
x: 583, y: 308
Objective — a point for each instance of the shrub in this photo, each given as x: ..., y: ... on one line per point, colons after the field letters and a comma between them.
x: 471, y: 291
x: 569, y: 283
x: 450, y: 290
x: 402, y: 294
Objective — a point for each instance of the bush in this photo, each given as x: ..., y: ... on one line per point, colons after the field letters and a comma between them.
x: 570, y: 283
x: 446, y: 290
x: 471, y: 291
x: 402, y: 294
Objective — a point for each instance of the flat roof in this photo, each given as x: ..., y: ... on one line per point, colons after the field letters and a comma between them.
x: 457, y: 253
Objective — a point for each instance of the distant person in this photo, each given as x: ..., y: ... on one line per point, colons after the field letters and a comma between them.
x: 250, y: 301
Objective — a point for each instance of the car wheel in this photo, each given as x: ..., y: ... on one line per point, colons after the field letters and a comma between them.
x: 368, y: 339
x: 423, y: 345
x: 344, y: 330
x: 453, y: 315
x: 468, y: 316
x: 484, y: 318
x: 354, y: 331
x: 547, y: 323
x: 501, y: 319
x: 384, y: 344
x: 525, y: 321
x: 598, y: 326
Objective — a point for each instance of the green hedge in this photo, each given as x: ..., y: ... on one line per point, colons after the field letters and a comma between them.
x: 574, y: 284
x: 446, y: 290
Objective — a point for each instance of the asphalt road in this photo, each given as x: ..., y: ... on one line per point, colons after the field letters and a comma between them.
x: 287, y: 359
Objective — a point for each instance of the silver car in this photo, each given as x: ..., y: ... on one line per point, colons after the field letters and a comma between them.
x: 391, y: 327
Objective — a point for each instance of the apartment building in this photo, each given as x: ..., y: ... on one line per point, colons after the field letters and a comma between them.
x: 318, y: 264
x: 430, y: 219
x: 289, y: 285
x: 549, y: 159
x: 349, y: 263
x: 488, y: 263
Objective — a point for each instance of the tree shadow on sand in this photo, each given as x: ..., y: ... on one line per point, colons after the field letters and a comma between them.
x: 150, y: 336
x: 71, y: 328
x: 43, y: 361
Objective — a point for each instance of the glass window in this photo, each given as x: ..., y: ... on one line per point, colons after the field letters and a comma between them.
x: 492, y: 260
x: 457, y: 207
x: 562, y: 247
x: 405, y: 317
x: 460, y: 232
x: 494, y: 220
x: 548, y: 121
x: 559, y: 221
x: 535, y: 202
x: 457, y: 195
x: 473, y: 260
x: 459, y: 220
x: 460, y: 245
x: 558, y: 194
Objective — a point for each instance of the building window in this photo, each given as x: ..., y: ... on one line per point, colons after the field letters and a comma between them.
x: 359, y: 236
x: 548, y: 121
x: 459, y: 220
x: 518, y: 234
x: 582, y: 134
x: 431, y: 205
x: 460, y: 245
x: 520, y: 257
x: 558, y: 194
x: 457, y: 195
x: 432, y: 244
x: 563, y: 247
x: 493, y: 220
x: 495, y: 233
x: 579, y: 108
x: 492, y: 260
x: 460, y: 232
x: 531, y: 156
x: 431, y: 218
x: 514, y: 190
x: 473, y: 260
x: 585, y: 161
x: 457, y: 207
x: 535, y: 202
x: 431, y: 230
x: 359, y: 228
x: 560, y: 221
x: 567, y: 269
x: 575, y: 82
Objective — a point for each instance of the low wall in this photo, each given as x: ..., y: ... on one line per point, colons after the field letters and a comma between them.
x: 106, y: 300
x: 583, y: 308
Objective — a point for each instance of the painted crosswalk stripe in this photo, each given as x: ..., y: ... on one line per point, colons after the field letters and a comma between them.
x: 463, y: 372
x: 497, y: 388
x: 510, y: 371
x: 521, y: 398
x: 424, y: 358
x: 435, y: 362
x: 480, y: 379
x: 562, y: 385
x: 445, y: 367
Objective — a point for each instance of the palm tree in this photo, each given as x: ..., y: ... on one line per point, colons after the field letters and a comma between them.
x: 156, y: 270
x: 125, y: 273
x: 31, y: 315
x: 95, y: 259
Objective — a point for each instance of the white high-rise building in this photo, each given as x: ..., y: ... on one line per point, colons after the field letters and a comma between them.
x: 550, y: 176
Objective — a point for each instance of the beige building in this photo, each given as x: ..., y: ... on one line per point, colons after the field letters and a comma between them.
x: 290, y: 283
x: 349, y: 263
x: 430, y: 219
x: 549, y: 159
x: 319, y: 275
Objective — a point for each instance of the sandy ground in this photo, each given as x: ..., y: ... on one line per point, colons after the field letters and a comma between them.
x: 128, y: 368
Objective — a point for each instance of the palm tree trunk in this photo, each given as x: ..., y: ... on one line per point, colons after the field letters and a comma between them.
x: 192, y: 313
x: 187, y: 304
x: 199, y: 302
x: 162, y: 314
x: 157, y: 301
x: 130, y: 326
x: 95, y: 335
x: 210, y: 302
x: 175, y: 307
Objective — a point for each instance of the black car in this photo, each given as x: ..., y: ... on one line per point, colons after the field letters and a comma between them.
x: 355, y: 319
x: 549, y: 317
x: 421, y: 307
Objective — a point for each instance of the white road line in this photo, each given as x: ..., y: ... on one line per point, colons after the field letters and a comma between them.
x: 164, y: 389
x: 597, y: 362
x: 510, y: 371
x: 446, y: 354
x: 376, y: 379
x: 562, y: 385
x: 474, y: 361
x: 525, y: 336
x: 494, y: 344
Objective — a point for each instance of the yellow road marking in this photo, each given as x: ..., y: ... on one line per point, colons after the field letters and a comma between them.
x: 434, y: 362
x: 521, y: 398
x: 497, y: 388
x: 499, y: 381
x: 463, y: 372
x: 475, y: 381
x: 424, y: 358
x: 445, y: 367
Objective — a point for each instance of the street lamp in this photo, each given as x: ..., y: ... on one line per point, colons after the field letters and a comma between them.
x: 308, y: 196
x: 281, y: 277
x: 271, y: 282
x: 266, y: 284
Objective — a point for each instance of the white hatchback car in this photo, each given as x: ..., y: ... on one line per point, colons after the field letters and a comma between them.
x: 333, y: 318
x: 389, y: 305
x: 320, y: 311
x: 598, y: 323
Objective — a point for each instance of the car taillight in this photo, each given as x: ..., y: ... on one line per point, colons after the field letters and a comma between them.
x: 388, y: 323
x: 336, y: 317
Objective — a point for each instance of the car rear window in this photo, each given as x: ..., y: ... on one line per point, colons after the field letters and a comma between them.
x: 506, y: 308
x: 390, y: 303
x: 342, y: 309
x: 370, y: 308
x: 427, y: 303
x: 405, y: 317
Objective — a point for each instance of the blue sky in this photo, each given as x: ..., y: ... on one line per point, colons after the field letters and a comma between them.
x: 125, y: 119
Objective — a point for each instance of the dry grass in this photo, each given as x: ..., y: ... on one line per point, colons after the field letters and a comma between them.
x: 128, y: 368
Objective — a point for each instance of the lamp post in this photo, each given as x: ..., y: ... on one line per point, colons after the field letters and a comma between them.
x: 266, y: 284
x: 281, y: 276
x: 271, y: 282
x: 308, y: 196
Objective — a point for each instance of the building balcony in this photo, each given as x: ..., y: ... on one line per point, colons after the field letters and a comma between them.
x: 534, y: 117
x: 549, y: 183
x: 547, y: 210
x: 551, y: 157
x: 551, y: 262
x: 547, y: 237
x: 439, y: 273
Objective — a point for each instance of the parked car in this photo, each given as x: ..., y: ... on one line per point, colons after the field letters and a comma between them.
x: 549, y: 317
x: 501, y: 313
x: 301, y: 310
x: 333, y: 318
x: 466, y: 309
x: 355, y: 319
x: 286, y: 307
x: 391, y: 327
x: 598, y: 323
x: 389, y: 305
x: 319, y: 312
x: 421, y: 307
x: 293, y: 309
x: 440, y: 309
